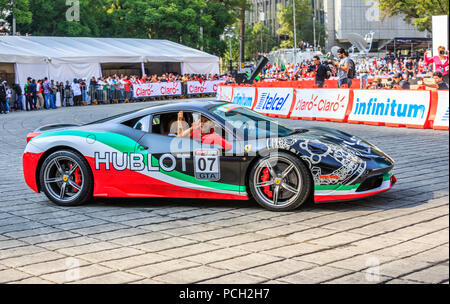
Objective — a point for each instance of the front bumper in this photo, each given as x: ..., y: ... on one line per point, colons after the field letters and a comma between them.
x: 352, y: 192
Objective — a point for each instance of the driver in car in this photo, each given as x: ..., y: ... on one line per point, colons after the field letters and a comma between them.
x: 202, y: 129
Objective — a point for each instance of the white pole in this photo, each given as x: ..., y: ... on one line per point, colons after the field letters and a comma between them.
x: 295, y: 33
x: 13, y: 20
x: 314, y: 25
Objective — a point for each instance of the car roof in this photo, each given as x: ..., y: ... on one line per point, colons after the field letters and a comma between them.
x: 164, y: 106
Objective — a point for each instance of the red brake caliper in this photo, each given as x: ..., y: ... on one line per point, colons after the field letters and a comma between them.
x: 77, y: 175
x: 265, y: 178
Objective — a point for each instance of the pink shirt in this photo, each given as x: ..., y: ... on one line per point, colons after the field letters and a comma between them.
x: 439, y: 66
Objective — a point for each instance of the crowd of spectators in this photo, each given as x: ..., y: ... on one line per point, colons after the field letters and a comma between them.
x: 373, y: 73
x: 49, y: 94
x: 382, y: 71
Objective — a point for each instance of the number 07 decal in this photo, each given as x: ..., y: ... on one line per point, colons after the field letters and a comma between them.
x: 207, y: 165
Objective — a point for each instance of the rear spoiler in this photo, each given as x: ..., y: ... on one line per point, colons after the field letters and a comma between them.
x: 54, y: 127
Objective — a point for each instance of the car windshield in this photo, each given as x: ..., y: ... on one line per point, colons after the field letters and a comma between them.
x: 250, y: 123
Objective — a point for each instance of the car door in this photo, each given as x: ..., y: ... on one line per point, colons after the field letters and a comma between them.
x: 183, y: 167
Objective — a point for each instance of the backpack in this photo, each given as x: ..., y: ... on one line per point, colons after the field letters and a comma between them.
x: 329, y: 72
x: 2, y: 91
x: 351, y: 69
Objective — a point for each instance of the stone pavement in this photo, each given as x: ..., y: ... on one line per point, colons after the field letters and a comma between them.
x: 398, y: 237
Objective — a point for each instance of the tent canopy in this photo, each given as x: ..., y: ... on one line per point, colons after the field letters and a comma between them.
x: 30, y: 49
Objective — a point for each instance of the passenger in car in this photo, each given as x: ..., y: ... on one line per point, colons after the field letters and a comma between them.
x: 203, y: 129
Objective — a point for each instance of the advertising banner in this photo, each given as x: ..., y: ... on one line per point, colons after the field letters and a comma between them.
x: 225, y: 93
x: 321, y: 103
x: 157, y: 89
x: 402, y: 107
x: 244, y: 96
x: 274, y: 101
x: 205, y: 87
x: 441, y: 121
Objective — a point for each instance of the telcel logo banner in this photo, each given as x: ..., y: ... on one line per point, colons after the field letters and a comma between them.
x: 274, y: 100
x: 321, y: 103
x: 398, y: 107
x: 244, y: 97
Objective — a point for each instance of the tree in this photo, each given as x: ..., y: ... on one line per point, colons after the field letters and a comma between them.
x: 175, y: 20
x: 49, y: 19
x: 415, y: 12
x: 259, y: 40
x: 418, y: 13
x: 20, y: 9
x: 304, y: 23
x: 239, y: 7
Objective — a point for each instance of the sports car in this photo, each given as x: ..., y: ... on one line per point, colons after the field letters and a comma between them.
x: 202, y: 149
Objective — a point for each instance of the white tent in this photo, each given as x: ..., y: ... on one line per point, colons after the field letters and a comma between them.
x: 65, y: 58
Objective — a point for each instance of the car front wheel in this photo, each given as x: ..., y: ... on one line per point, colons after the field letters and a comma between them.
x: 66, y: 179
x: 280, y: 182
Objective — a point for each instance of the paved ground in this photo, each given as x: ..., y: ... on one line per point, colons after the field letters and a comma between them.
x: 398, y: 237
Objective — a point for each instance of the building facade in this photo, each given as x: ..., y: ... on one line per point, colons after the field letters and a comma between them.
x: 346, y: 17
x: 342, y: 19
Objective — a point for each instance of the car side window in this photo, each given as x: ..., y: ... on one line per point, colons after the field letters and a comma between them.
x: 167, y: 123
x: 143, y: 124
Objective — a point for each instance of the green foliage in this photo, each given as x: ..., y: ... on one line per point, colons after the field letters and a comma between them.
x: 416, y: 12
x: 49, y: 19
x: 21, y: 11
x: 176, y: 20
x: 254, y: 45
x: 304, y: 23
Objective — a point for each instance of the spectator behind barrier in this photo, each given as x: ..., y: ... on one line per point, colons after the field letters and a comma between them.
x: 439, y: 82
x: 400, y: 83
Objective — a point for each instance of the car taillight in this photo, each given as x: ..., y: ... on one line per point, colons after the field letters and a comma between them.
x: 32, y: 135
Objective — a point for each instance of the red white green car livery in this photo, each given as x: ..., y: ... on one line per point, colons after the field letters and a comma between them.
x: 243, y: 155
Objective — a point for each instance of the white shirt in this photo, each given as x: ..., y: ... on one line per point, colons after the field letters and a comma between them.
x: 76, y: 89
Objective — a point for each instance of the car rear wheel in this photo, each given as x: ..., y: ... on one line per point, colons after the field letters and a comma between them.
x: 280, y: 182
x: 66, y: 179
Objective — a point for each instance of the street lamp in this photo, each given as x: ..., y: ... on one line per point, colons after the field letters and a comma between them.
x: 314, y: 25
x: 295, y: 33
x: 201, y: 28
x: 229, y: 33
x: 261, y: 19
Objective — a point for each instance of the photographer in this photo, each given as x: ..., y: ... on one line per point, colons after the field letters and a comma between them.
x: 440, y: 62
x: 322, y: 72
x: 345, y: 69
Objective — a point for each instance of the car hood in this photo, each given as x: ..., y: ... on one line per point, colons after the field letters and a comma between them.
x: 326, y: 136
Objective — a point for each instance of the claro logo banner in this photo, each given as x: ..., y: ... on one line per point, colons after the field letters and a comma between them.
x: 205, y: 87
x: 244, y: 96
x: 276, y: 101
x: 396, y: 107
x: 319, y: 103
x: 157, y: 89
x: 442, y: 113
